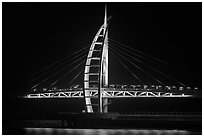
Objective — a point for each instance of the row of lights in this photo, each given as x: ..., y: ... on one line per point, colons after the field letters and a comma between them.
x: 155, y: 87
x: 152, y: 87
x: 72, y: 87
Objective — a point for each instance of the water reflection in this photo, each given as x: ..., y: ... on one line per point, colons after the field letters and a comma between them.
x: 57, y: 131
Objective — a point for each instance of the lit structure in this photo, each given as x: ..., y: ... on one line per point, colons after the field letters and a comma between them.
x: 108, y: 93
x: 96, y: 91
x: 96, y: 69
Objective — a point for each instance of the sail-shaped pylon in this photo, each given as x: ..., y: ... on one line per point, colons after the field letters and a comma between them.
x: 96, y: 70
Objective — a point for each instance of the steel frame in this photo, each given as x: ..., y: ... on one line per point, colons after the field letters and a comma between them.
x: 108, y: 94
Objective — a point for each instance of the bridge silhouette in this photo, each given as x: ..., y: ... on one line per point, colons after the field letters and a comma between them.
x: 95, y: 88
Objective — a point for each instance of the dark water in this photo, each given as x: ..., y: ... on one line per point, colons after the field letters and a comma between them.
x: 58, y: 131
x: 37, y: 109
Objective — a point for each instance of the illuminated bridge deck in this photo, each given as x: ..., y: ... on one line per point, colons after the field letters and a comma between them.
x: 111, y: 93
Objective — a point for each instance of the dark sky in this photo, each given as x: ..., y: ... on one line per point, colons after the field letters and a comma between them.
x: 38, y: 34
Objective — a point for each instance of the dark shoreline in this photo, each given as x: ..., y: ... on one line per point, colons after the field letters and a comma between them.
x: 192, y: 123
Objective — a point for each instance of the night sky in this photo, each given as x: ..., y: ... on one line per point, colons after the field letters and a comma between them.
x: 38, y: 34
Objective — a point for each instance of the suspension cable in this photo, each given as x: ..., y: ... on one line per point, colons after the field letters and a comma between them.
x: 58, y: 72
x: 56, y: 63
x: 125, y: 49
x: 60, y: 60
x: 66, y: 74
x: 155, y: 70
x: 76, y: 76
x: 69, y: 72
x: 152, y: 57
x: 130, y: 51
x: 127, y: 68
x: 138, y: 67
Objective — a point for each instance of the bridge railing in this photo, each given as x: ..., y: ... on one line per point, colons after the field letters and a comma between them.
x: 116, y: 87
x: 153, y: 88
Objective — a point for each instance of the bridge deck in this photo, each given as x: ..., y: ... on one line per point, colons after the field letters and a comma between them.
x: 111, y: 93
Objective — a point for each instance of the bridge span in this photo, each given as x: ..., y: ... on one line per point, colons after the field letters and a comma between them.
x: 96, y: 90
x: 115, y: 92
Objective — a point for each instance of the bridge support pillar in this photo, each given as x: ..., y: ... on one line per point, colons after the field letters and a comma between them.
x: 105, y: 105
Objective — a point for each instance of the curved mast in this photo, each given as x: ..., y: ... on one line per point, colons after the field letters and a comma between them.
x: 96, y: 70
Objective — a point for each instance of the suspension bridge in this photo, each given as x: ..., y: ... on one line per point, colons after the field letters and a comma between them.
x: 95, y: 89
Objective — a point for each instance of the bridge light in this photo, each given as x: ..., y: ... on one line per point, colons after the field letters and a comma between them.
x: 188, y: 88
x: 167, y: 88
x: 117, y: 86
x: 83, y: 111
x: 181, y: 88
x: 145, y: 87
x: 124, y: 86
x: 196, y: 89
x: 153, y: 87
x: 174, y: 88
x: 138, y: 87
x: 112, y: 86
x: 159, y: 87
x: 44, y: 89
x: 34, y: 89
x: 54, y: 88
x: 133, y: 86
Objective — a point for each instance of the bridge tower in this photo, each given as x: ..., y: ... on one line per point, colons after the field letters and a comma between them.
x: 96, y: 70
